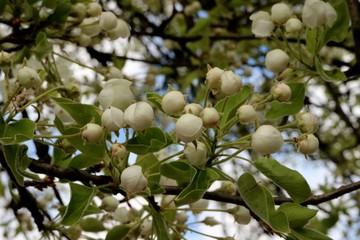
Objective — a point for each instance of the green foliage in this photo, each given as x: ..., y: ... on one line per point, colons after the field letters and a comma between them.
x: 17, y: 132
x: 42, y: 46
x: 180, y: 171
x: 117, y: 232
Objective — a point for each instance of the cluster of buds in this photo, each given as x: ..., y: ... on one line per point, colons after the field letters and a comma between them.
x: 222, y: 82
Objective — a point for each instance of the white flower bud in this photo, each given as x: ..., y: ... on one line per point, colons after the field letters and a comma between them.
x: 277, y: 60
x: 78, y: 11
x: 262, y: 25
x: 227, y: 188
x: 28, y: 77
x: 121, y: 30
x: 92, y: 133
x: 84, y: 40
x: 109, y: 203
x: 181, y: 217
x: 241, y: 215
x: 94, y: 9
x: 230, y: 83
x: 122, y: 215
x: 246, y: 114
x: 210, y: 221
x: 133, y: 180
x: 199, y: 206
x: 90, y: 27
x: 307, y: 144
x: 266, y: 140
x: 108, y: 21
x: 189, y: 127
x: 317, y: 13
x: 5, y: 57
x: 210, y: 117
x: 118, y: 150
x: 139, y: 116
x: 146, y: 228
x: 281, y: 92
x: 307, y: 122
x: 293, y: 25
x: 110, y: 95
x: 193, y: 108
x: 173, y: 102
x: 213, y: 79
x: 112, y: 119
x: 196, y: 155
x: 113, y: 72
x: 280, y: 13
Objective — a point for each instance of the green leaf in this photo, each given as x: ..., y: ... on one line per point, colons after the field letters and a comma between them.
x: 340, y: 30
x: 91, y: 225
x: 81, y: 197
x: 232, y: 104
x: 201, y: 27
x: 197, y: 188
x: 117, y: 232
x: 259, y: 200
x: 155, y: 99
x: 59, y: 156
x: 333, y: 75
x: 81, y: 113
x: 309, y: 234
x: 297, y: 215
x: 42, y: 46
x: 152, y: 140
x: 292, y: 181
x: 180, y: 170
x: 83, y: 161
x: 13, y: 156
x: 312, y: 40
x: 295, y: 104
x: 61, y: 12
x: 160, y: 226
x: 19, y: 131
x: 151, y: 165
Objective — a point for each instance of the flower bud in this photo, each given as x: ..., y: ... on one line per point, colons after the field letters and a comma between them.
x: 173, y: 102
x: 199, y: 206
x: 112, y: 119
x: 241, y: 215
x: 139, y: 116
x: 67, y: 146
x: 196, y: 155
x: 94, y: 9
x: 213, y: 79
x: 277, y: 60
x: 262, y: 25
x: 113, y: 72
x: 317, y: 13
x: 28, y: 77
x: 189, y: 127
x: 109, y: 203
x: 246, y: 114
x: 293, y: 25
x: 193, y: 108
x: 307, y: 122
x: 121, y: 30
x: 121, y: 215
x: 210, y: 117
x: 307, y: 144
x: 108, y: 21
x: 266, y: 140
x: 72, y: 90
x: 280, y: 13
x: 281, y: 92
x: 78, y: 11
x: 146, y: 228
x: 90, y: 27
x: 181, y: 217
x: 84, y: 40
x: 92, y: 133
x: 118, y: 150
x: 5, y: 57
x: 230, y: 83
x: 110, y: 96
x: 91, y: 225
x: 210, y: 221
x: 133, y: 180
x: 227, y: 188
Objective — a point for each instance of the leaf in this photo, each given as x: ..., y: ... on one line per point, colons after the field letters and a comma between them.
x: 201, y: 27
x: 295, y: 104
x: 232, y: 104
x: 83, y: 161
x: 61, y: 12
x: 260, y: 201
x: 91, y: 225
x: 292, y: 181
x: 155, y: 99
x: 297, y: 215
x: 312, y: 42
x: 81, y: 113
x: 309, y: 234
x: 117, y: 232
x: 160, y: 226
x: 81, y: 197
x: 197, y: 188
x: 19, y: 131
x: 152, y: 140
x: 42, y: 46
x: 13, y: 154
x: 180, y: 170
x: 151, y: 165
x: 333, y: 75
x: 340, y: 30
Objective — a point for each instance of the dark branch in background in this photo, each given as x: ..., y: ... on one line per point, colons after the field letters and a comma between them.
x: 87, y: 178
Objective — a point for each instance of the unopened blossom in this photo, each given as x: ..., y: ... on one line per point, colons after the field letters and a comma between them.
x: 116, y: 93
x: 293, y: 25
x: 281, y: 92
x: 266, y: 140
x: 277, y: 60
x: 90, y: 26
x: 193, y: 108
x: 317, y: 13
x: 94, y: 9
x: 109, y: 203
x: 133, y: 180
x: 28, y: 77
x: 139, y: 116
x: 246, y: 114
x: 112, y: 119
x: 188, y: 127
x: 196, y: 155
x: 210, y: 117
x: 108, y: 21
x: 307, y: 122
x: 213, y: 79
x: 92, y: 133
x: 230, y: 83
x: 118, y: 150
x: 121, y: 30
x: 262, y: 25
x: 307, y: 144
x: 173, y: 102
x: 280, y: 13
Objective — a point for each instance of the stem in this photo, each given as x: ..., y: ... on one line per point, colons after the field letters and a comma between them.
x: 229, y: 157
x: 59, y: 137
x: 171, y: 156
x: 35, y: 100
x: 78, y: 63
x: 206, y: 96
